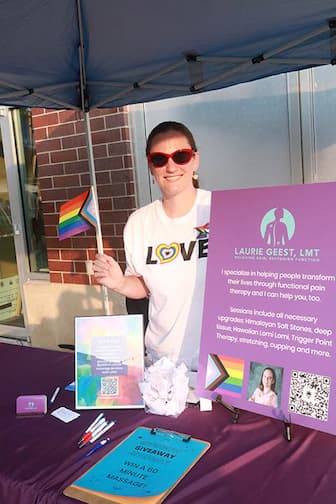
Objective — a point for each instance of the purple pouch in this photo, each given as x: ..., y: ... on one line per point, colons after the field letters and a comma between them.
x: 31, y: 405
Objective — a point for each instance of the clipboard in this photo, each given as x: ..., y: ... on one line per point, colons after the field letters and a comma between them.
x: 147, y: 464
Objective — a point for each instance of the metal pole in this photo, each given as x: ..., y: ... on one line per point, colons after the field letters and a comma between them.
x: 99, y: 237
x: 85, y: 110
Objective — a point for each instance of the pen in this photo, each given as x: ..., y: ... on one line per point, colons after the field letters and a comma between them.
x: 53, y: 397
x: 95, y: 421
x: 100, y: 433
x: 99, y: 445
x: 100, y: 422
x: 89, y: 435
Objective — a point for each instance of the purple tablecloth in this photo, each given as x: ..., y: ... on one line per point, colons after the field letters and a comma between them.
x: 248, y: 463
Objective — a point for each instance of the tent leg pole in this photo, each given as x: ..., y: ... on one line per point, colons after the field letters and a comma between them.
x: 99, y: 237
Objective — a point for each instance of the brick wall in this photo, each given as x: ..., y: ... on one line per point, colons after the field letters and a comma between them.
x: 63, y: 173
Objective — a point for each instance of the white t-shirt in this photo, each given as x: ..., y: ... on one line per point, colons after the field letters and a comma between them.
x: 171, y: 255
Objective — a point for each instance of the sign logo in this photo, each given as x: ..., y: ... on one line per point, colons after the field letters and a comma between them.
x: 277, y: 227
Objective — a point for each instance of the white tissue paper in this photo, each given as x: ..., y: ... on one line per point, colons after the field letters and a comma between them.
x: 165, y: 388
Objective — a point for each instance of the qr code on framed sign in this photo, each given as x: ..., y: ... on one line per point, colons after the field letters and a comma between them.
x: 309, y: 395
x: 109, y: 385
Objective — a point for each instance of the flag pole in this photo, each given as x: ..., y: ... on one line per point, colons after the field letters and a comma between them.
x: 99, y: 237
x: 85, y: 110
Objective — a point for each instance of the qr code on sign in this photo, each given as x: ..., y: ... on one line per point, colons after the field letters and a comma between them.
x: 109, y: 385
x: 309, y: 395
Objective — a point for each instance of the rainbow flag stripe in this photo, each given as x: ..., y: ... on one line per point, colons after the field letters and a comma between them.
x: 88, y: 211
x: 76, y: 216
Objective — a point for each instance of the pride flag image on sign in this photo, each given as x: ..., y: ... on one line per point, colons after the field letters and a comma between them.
x: 224, y: 374
x: 77, y: 215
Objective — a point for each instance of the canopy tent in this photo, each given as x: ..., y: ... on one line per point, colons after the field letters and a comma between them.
x: 85, y: 54
x: 135, y: 51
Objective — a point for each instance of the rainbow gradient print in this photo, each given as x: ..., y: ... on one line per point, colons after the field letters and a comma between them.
x: 109, y: 361
x: 224, y: 375
x: 77, y: 215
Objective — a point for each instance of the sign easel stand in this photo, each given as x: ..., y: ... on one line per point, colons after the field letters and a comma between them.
x: 288, y: 429
x: 235, y: 411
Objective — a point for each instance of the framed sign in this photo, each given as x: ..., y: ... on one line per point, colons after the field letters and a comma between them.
x: 268, y: 337
x: 109, y: 361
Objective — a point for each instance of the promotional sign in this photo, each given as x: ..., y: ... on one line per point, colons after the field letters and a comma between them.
x: 270, y: 301
x: 10, y: 299
x: 109, y: 361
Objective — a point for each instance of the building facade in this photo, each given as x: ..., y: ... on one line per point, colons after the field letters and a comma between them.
x: 59, y: 285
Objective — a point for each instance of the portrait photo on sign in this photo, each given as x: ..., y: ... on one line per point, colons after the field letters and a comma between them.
x: 265, y: 383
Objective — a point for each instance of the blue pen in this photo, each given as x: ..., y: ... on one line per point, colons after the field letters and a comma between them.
x: 96, y: 447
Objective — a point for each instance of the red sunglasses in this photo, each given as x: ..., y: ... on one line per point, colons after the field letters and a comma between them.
x: 180, y: 157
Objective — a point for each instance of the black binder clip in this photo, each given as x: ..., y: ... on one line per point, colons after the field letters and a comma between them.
x: 232, y: 409
x: 287, y: 429
x: 184, y: 437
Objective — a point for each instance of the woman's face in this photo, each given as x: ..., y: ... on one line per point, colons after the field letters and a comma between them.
x: 173, y: 179
x: 267, y: 379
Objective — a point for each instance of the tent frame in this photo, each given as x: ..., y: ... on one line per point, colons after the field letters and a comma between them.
x: 236, y: 63
x: 88, y: 136
x: 224, y: 66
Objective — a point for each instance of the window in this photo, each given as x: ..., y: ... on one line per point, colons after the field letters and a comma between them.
x: 30, y: 190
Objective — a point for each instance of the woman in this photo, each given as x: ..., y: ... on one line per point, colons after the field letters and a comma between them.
x: 265, y: 392
x: 166, y: 249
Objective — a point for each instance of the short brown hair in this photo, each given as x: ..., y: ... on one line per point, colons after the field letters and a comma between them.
x: 166, y: 127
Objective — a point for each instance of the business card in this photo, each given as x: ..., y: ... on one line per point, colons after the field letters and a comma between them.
x: 64, y: 414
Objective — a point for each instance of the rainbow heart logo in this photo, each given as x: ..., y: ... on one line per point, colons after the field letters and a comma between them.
x: 167, y: 253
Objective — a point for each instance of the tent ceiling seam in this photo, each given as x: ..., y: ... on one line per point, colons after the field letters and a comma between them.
x: 260, y: 58
x: 332, y: 26
x: 139, y: 84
